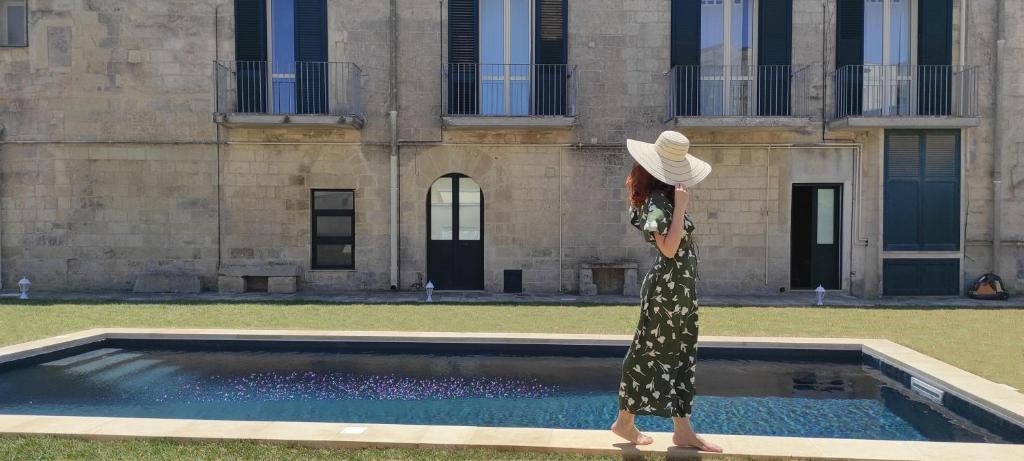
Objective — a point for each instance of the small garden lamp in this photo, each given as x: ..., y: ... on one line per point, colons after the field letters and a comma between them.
x: 820, y: 291
x: 430, y: 291
x: 23, y: 285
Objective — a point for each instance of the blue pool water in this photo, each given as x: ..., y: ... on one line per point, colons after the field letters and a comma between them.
x: 757, y: 397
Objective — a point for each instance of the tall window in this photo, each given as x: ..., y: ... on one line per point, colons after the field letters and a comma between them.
x: 281, y: 49
x: 13, y: 23
x: 726, y: 55
x: 282, y: 52
x: 888, y: 56
x: 505, y: 54
x: 333, y: 229
x: 507, y: 57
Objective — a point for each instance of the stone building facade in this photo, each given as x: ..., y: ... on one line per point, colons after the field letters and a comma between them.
x: 124, y: 152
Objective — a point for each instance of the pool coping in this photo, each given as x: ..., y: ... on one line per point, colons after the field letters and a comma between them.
x: 999, y: 399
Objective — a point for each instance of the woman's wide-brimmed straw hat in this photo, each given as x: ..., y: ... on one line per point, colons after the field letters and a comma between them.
x: 669, y: 159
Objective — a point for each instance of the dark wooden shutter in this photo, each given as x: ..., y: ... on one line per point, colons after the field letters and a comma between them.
x: 900, y: 217
x: 551, y: 56
x: 940, y: 192
x: 463, y: 55
x: 311, y: 67
x: 849, y: 52
x: 251, y: 55
x: 922, y: 191
x: 685, y: 53
x: 920, y: 277
x: 774, y: 41
x: 934, y: 55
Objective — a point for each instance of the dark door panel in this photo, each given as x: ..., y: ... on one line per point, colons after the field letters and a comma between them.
x: 816, y: 236
x: 455, y: 250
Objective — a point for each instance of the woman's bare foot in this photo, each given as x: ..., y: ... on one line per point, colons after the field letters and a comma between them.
x: 695, y: 441
x: 631, y: 434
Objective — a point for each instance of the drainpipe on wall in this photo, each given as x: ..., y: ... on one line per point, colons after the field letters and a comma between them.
x: 997, y: 137
x: 393, y: 122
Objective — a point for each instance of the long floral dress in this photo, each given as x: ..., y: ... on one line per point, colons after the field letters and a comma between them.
x: 658, y: 371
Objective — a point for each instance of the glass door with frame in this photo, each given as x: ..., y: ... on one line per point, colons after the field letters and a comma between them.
x: 505, y: 56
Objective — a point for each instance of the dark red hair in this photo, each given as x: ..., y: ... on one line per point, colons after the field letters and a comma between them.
x: 641, y: 184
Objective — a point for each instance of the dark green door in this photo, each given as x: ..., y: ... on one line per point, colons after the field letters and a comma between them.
x: 816, y: 236
x: 455, y: 233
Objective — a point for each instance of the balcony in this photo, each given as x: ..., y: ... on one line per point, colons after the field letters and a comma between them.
x: 737, y: 97
x: 521, y: 96
x: 904, y: 96
x: 264, y: 93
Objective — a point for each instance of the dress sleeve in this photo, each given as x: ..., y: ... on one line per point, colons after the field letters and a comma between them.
x: 658, y: 215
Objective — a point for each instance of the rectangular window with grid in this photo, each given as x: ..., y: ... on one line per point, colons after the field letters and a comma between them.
x: 333, y: 228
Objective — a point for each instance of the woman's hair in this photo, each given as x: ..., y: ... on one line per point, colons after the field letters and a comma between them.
x: 641, y: 184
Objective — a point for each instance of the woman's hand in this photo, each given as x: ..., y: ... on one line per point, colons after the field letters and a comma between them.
x: 682, y: 197
x: 669, y: 243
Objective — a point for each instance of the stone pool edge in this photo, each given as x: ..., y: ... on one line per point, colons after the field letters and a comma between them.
x: 994, y: 397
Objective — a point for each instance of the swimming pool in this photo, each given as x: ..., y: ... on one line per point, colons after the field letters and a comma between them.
x: 804, y: 392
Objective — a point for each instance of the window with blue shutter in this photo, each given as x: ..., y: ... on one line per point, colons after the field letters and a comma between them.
x: 712, y: 57
x: 251, y: 55
x: 684, y: 51
x: 934, y: 55
x: 463, y: 56
x: 296, y: 69
x: 849, y: 52
x: 922, y: 191
x: 311, y: 56
x: 774, y: 44
x: 550, y: 56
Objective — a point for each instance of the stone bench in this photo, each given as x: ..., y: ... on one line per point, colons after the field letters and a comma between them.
x: 239, y: 278
x: 588, y: 285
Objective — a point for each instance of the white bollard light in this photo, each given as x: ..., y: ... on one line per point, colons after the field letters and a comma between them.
x: 23, y: 285
x: 430, y: 291
x: 820, y: 291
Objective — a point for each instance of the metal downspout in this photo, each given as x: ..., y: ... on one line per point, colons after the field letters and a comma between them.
x: 997, y: 136
x: 393, y: 122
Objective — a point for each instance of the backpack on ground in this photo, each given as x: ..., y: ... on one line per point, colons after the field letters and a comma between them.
x: 988, y: 286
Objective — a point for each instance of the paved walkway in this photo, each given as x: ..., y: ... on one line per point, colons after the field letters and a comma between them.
x: 474, y: 297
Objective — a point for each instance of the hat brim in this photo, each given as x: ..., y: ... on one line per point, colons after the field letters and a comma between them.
x: 689, y: 171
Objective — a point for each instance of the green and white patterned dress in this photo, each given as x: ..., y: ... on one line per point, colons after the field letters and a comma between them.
x: 658, y: 371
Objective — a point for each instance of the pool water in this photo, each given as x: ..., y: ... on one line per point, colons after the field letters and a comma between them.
x: 754, y: 397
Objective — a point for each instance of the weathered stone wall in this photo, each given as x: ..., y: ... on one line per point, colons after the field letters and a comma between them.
x: 109, y: 158
x: 95, y: 216
x: 266, y: 200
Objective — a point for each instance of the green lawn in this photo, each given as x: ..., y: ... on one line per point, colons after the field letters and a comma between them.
x: 986, y: 342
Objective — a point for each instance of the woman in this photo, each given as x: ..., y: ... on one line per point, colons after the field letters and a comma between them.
x: 658, y: 371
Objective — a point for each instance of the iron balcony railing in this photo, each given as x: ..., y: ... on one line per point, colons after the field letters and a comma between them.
x: 905, y: 91
x: 509, y: 89
x: 736, y: 91
x: 266, y: 87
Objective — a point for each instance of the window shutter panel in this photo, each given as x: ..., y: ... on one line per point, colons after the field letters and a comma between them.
x: 551, y: 56
x: 940, y: 197
x: 900, y: 219
x: 774, y: 30
x: 922, y: 191
x: 934, y: 54
x: 849, y: 52
x: 685, y: 51
x: 311, y: 66
x: 917, y: 277
x: 463, y: 56
x: 251, y: 55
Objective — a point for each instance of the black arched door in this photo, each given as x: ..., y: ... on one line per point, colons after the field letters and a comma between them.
x: 455, y: 234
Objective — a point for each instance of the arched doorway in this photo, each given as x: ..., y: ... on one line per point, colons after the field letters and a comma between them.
x: 455, y: 233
